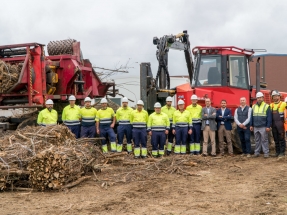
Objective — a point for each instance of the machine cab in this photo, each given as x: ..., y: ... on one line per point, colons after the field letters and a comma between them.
x: 221, y: 67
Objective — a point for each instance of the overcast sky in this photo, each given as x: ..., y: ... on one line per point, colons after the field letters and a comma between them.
x: 112, y: 32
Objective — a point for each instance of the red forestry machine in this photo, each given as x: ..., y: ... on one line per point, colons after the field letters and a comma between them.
x: 28, y: 77
x: 217, y: 72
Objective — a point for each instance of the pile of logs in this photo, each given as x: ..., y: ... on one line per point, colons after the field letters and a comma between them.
x: 44, y: 158
x: 9, y: 75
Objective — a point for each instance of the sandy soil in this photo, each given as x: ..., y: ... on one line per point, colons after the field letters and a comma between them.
x: 230, y: 185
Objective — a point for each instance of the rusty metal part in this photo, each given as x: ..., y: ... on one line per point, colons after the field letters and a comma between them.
x: 60, y: 47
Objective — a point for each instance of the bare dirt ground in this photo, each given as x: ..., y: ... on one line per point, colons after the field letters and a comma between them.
x: 229, y: 185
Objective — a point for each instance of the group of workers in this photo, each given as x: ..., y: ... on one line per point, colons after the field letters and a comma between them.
x: 182, y: 124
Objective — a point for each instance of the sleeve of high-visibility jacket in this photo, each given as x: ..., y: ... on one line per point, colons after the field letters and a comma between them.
x: 117, y: 115
x: 98, y: 116
x: 167, y: 122
x: 64, y: 115
x: 132, y: 117
x: 190, y: 120
x: 173, y: 120
x: 112, y: 112
x: 96, y: 111
x: 149, y: 123
x: 40, y: 118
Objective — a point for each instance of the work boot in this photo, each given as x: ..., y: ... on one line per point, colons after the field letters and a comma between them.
x: 144, y: 157
x: 136, y: 157
x: 168, y: 153
x: 191, y: 154
x: 248, y: 155
x: 203, y: 155
x: 231, y: 155
x: 281, y: 155
x: 276, y: 155
x: 266, y: 156
x: 255, y: 155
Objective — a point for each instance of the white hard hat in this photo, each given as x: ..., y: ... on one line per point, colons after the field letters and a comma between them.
x: 72, y: 98
x: 285, y: 100
x: 157, y: 105
x: 125, y: 99
x: 193, y: 97
x: 87, y: 99
x: 259, y: 94
x: 140, y: 102
x: 180, y: 102
x: 49, y: 102
x: 104, y: 100
x: 168, y: 99
x: 275, y: 93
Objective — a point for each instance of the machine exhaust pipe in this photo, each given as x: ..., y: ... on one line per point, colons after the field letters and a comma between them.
x: 258, y: 75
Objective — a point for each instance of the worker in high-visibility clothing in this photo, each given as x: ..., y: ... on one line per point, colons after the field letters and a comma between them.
x: 260, y: 123
x: 285, y: 116
x: 139, y: 120
x: 48, y: 116
x: 169, y: 110
x: 278, y: 131
x: 71, y: 116
x: 123, y: 115
x: 182, y: 125
x: 158, y: 127
x: 105, y: 123
x: 88, y: 115
x: 194, y: 139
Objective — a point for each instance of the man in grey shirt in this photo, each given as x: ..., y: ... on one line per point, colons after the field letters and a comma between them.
x: 242, y: 117
x: 209, y: 127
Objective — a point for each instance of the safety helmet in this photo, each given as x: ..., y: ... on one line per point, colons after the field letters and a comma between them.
x: 259, y: 94
x: 87, y: 99
x: 72, y: 98
x: 285, y: 100
x: 275, y: 93
x: 104, y: 100
x: 157, y: 105
x: 168, y: 99
x: 125, y: 99
x: 193, y: 97
x: 140, y: 102
x: 180, y: 102
x: 49, y: 102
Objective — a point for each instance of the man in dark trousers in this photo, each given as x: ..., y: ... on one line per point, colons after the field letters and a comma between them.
x: 242, y: 117
x: 224, y: 127
x: 277, y: 109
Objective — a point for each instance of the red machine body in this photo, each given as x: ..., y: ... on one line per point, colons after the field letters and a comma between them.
x: 224, y: 90
x: 49, y: 77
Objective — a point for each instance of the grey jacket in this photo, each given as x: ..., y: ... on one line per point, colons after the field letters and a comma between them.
x: 210, y: 117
